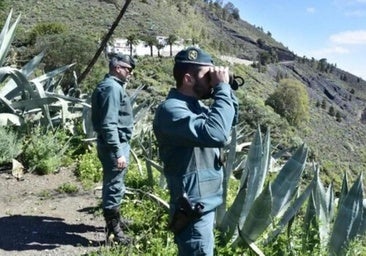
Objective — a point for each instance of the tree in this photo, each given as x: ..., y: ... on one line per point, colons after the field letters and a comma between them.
x: 338, y: 116
x: 265, y: 58
x: 236, y: 14
x: 261, y: 43
x: 322, y: 65
x: 131, y: 41
x: 232, y: 10
x: 331, y: 111
x: 151, y: 41
x: 218, y: 3
x: 324, y: 103
x: 159, y: 46
x: 291, y: 101
x: 170, y: 41
x: 42, y: 29
x: 63, y: 49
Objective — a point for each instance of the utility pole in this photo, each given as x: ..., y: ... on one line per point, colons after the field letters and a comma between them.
x: 104, y: 42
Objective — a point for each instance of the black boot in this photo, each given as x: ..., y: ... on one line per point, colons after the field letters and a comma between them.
x: 125, y: 223
x: 112, y: 218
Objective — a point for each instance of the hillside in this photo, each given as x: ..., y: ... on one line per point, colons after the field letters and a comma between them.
x: 337, y: 145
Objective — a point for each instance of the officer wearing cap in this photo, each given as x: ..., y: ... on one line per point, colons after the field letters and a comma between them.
x: 112, y: 120
x: 190, y: 135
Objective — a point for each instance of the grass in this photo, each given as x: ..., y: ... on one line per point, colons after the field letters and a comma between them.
x: 67, y: 188
x: 323, y: 132
x: 324, y: 135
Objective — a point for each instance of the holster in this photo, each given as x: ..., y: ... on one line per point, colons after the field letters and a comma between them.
x: 184, y: 214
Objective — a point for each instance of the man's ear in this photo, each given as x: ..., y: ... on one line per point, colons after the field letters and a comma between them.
x: 188, y: 79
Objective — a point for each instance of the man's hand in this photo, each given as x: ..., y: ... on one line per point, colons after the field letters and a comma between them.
x: 219, y: 74
x: 121, y: 162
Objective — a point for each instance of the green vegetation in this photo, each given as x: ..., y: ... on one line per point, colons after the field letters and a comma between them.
x: 10, y: 145
x: 43, y: 29
x: 48, y: 121
x: 44, y: 150
x: 291, y: 101
x: 89, y: 168
x: 68, y: 188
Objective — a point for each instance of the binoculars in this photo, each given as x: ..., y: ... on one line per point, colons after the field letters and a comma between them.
x: 236, y: 81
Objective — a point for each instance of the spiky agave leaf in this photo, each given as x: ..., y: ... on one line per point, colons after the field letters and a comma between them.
x: 310, y: 225
x: 6, y: 37
x: 322, y: 212
x: 10, y: 90
x: 291, y: 211
x: 286, y: 183
x: 33, y: 104
x: 228, y: 168
x: 277, y: 197
x: 319, y: 213
x: 49, y: 75
x: 10, y: 119
x: 348, y: 220
x: 136, y: 92
x: 330, y: 199
x: 230, y: 221
x: 257, y: 168
x: 251, y: 184
x: 22, y: 82
x: 259, y: 216
x: 344, y: 190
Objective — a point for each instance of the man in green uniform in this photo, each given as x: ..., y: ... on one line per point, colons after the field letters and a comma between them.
x: 112, y: 120
x: 190, y: 136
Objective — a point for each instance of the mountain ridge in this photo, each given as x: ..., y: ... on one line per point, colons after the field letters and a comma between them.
x: 341, y: 143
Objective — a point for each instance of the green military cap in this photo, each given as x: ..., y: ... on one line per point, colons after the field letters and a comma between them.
x: 194, y: 55
x: 123, y: 60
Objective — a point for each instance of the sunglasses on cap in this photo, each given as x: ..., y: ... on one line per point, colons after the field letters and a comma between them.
x: 129, y: 69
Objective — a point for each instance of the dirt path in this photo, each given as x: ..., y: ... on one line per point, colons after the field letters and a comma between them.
x: 35, y: 219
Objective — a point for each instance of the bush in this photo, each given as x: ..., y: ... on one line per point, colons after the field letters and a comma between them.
x: 67, y: 188
x: 291, y: 101
x: 64, y: 49
x: 10, y: 145
x: 42, y: 29
x: 89, y: 168
x: 44, y: 150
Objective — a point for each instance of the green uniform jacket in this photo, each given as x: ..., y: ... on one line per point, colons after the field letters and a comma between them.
x: 112, y: 115
x: 189, y: 135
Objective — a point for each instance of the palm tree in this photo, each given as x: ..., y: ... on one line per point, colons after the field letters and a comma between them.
x: 131, y: 41
x: 171, y: 40
x: 151, y: 41
x: 159, y: 46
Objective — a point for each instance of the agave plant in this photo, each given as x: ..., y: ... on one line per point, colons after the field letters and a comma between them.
x: 334, y: 226
x: 259, y: 203
x: 261, y: 209
x: 24, y: 98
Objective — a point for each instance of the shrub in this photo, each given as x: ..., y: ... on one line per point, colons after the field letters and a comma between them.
x: 66, y: 48
x: 89, y: 168
x: 42, y: 29
x: 67, y: 188
x: 291, y: 101
x: 10, y: 145
x: 331, y: 111
x: 44, y: 150
x: 338, y: 116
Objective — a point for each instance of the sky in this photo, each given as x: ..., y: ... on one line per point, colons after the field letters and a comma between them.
x: 331, y: 29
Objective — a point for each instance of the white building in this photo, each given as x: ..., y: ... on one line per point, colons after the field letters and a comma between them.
x: 120, y: 45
